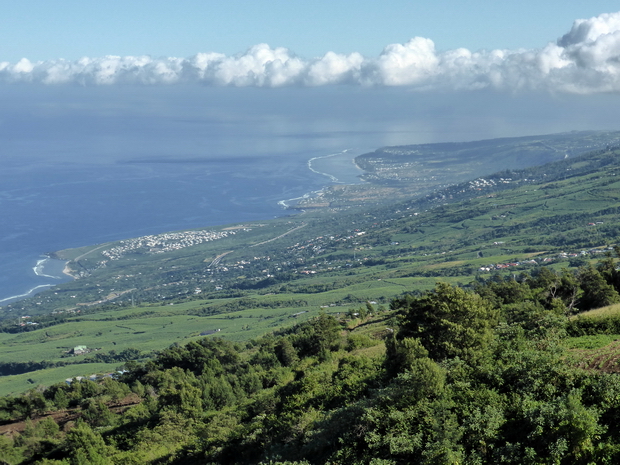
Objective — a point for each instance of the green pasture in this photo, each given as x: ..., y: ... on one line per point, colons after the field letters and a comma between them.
x: 610, y: 310
x: 146, y: 333
x: 17, y: 384
x: 154, y: 327
x: 596, y: 341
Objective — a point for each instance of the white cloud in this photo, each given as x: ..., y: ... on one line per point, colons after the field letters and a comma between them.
x: 333, y: 68
x: 584, y: 60
x: 589, y: 30
x: 413, y: 63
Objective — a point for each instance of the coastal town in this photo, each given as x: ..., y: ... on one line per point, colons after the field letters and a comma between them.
x: 167, y: 242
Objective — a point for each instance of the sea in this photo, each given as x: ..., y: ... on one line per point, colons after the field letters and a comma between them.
x: 86, y: 165
x: 59, y: 207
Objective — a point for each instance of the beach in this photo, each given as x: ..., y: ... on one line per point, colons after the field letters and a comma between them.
x: 336, y: 168
x: 339, y: 167
x: 74, y: 206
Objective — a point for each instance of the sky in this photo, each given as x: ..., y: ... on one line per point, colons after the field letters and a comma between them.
x: 90, y: 75
x: 71, y: 29
x: 448, y: 45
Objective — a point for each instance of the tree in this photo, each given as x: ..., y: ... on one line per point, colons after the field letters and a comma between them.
x: 115, y: 389
x: 97, y: 413
x: 8, y: 453
x: 449, y: 322
x: 607, y: 268
x: 418, y: 376
x: 566, y: 288
x: 87, y: 446
x: 286, y: 353
x: 596, y: 292
x: 60, y: 399
x: 317, y: 336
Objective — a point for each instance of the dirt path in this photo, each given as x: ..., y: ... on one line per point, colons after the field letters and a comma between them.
x: 280, y: 236
x: 62, y: 417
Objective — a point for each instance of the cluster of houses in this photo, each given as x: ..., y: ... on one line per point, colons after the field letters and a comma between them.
x: 210, y: 331
x: 95, y: 378
x: 480, y: 183
x: 318, y: 244
x: 166, y: 242
x: 26, y: 321
x: 562, y: 255
x: 314, y: 246
x: 592, y: 251
x: 78, y: 350
x: 67, y: 310
x: 501, y: 266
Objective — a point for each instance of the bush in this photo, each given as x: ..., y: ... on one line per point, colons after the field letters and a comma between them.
x: 359, y: 341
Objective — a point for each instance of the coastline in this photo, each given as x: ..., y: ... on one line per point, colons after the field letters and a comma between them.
x: 339, y: 167
x: 39, y: 269
x: 50, y: 270
x: 47, y: 268
x: 27, y: 294
x: 330, y: 176
x: 284, y: 203
x: 68, y: 271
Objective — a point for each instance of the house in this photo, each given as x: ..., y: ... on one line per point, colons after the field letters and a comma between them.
x: 79, y: 350
x: 210, y: 331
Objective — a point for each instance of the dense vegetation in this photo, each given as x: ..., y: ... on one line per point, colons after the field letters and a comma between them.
x: 459, y: 327
x: 448, y: 376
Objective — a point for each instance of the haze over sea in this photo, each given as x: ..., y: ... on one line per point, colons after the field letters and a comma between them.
x: 82, y: 166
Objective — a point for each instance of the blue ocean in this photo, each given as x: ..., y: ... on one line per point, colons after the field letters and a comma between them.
x: 55, y: 207
x: 85, y: 165
x: 90, y: 166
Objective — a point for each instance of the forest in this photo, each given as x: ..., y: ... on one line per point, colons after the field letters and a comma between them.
x: 451, y: 375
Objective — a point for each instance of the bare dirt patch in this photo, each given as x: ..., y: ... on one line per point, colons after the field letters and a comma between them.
x: 65, y: 418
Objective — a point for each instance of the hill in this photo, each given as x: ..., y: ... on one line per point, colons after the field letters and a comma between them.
x: 142, y: 294
x: 407, y: 171
x: 450, y: 376
x: 447, y: 328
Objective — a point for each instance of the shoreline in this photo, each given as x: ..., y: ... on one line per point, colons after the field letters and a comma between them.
x: 330, y: 176
x: 39, y: 271
x: 64, y: 274
x: 27, y: 294
x: 40, y: 267
x: 290, y: 203
x: 285, y: 205
x: 67, y: 271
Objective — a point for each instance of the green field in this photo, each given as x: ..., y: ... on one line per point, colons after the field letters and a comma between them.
x: 17, y: 384
x: 131, y: 329
x: 252, y: 278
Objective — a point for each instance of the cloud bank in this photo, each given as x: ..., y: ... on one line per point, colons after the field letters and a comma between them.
x: 585, y: 60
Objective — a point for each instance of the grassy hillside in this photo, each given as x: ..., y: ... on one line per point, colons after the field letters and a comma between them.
x: 450, y: 376
x: 476, y: 324
x: 249, y: 279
